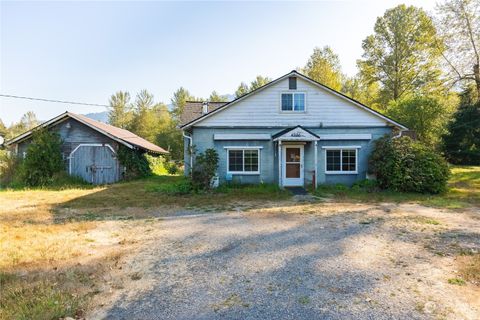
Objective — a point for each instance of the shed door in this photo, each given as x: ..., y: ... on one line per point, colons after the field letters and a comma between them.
x: 96, y: 164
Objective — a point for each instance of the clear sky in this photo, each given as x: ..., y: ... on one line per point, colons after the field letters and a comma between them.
x: 85, y: 51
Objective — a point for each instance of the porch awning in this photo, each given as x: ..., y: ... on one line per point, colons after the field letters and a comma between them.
x: 297, y: 133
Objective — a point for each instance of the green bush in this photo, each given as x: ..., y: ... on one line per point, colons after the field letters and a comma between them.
x: 135, y: 163
x: 408, y: 166
x: 9, y: 168
x: 171, y: 167
x: 43, y: 158
x: 204, y: 169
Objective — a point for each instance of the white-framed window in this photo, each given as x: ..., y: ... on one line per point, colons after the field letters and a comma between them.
x: 243, y: 160
x: 341, y: 160
x: 293, y: 101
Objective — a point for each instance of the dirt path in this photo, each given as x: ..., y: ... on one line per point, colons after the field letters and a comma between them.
x: 324, y: 260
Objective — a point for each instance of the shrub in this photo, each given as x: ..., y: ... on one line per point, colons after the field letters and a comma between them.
x: 204, y: 169
x: 9, y: 168
x: 43, y: 158
x: 135, y: 163
x: 408, y: 166
x: 171, y: 167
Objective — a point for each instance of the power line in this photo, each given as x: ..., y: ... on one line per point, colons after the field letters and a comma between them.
x: 56, y: 101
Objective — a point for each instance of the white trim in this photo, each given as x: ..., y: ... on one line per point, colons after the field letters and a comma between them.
x: 243, y: 160
x: 280, y: 163
x: 315, y: 160
x: 341, y: 159
x: 303, y: 135
x: 291, y: 92
x: 366, y: 136
x: 70, y: 157
x: 243, y: 147
x: 242, y: 136
x: 341, y: 147
x: 293, y: 182
x: 290, y: 74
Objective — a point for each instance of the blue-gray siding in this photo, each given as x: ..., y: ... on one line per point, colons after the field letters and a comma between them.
x: 203, y: 139
x: 73, y: 134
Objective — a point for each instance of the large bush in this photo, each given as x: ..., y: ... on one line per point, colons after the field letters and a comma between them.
x: 408, y: 166
x: 135, y: 163
x: 43, y: 158
x: 204, y: 169
x: 9, y: 168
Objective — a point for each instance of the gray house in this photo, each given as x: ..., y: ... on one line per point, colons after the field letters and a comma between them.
x: 89, y: 147
x: 293, y: 131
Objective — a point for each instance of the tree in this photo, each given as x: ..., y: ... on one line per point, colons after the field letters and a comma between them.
x: 427, y: 116
x: 243, y: 88
x: 461, y: 144
x: 215, y: 97
x: 27, y: 122
x: 359, y: 89
x: 145, y: 120
x: 402, y: 55
x: 3, y: 129
x: 120, y: 110
x: 180, y: 98
x: 324, y: 66
x: 459, y: 27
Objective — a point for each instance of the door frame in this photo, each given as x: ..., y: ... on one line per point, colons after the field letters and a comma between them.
x: 293, y: 182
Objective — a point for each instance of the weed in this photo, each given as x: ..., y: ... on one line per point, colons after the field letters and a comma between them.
x: 304, y: 300
x: 456, y: 281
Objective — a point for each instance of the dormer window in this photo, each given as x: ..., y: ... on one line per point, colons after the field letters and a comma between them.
x: 293, y: 102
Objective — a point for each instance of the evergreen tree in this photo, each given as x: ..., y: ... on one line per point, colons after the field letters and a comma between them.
x: 461, y: 144
x: 120, y: 110
x: 180, y: 98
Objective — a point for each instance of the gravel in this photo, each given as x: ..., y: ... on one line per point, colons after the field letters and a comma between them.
x: 247, y: 265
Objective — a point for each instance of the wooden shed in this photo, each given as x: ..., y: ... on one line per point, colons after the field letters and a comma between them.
x: 89, y: 147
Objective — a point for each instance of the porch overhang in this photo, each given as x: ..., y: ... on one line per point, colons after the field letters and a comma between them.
x: 298, y: 134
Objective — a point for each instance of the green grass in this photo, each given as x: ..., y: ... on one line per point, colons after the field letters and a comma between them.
x: 457, y: 281
x: 463, y: 191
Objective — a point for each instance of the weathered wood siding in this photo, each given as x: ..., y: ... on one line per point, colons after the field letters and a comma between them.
x: 263, y: 110
x: 95, y: 164
x: 73, y: 134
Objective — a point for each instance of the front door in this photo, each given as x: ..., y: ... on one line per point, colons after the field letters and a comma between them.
x: 292, y: 165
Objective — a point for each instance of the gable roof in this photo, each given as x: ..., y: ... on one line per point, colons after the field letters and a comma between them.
x: 193, y: 110
x: 297, y: 129
x: 304, y: 77
x: 122, y: 136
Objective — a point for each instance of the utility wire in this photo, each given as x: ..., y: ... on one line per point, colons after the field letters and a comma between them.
x: 56, y: 101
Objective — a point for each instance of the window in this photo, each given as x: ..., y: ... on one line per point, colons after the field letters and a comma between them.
x: 293, y: 101
x: 292, y: 83
x: 243, y: 161
x: 341, y: 160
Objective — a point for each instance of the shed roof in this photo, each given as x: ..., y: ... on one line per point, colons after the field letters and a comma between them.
x: 122, y: 136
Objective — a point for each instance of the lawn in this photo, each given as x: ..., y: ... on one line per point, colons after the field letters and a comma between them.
x: 463, y: 192
x: 58, y: 246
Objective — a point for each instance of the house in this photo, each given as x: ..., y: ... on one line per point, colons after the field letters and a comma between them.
x: 89, y: 147
x: 292, y: 131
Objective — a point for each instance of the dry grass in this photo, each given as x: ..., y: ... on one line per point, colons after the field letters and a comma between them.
x: 469, y: 268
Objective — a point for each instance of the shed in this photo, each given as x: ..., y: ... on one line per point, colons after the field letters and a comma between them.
x: 89, y: 147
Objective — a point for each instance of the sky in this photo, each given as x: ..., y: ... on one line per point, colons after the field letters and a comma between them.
x: 86, y: 51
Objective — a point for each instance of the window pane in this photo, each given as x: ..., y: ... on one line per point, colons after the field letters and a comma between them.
x: 348, y: 160
x: 299, y: 103
x: 287, y: 102
x: 235, y: 160
x: 292, y: 83
x: 333, y: 160
x: 251, y: 160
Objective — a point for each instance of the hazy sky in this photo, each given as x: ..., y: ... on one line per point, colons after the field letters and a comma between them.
x: 85, y: 51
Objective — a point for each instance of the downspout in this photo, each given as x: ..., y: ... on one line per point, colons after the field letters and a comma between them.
x: 189, y: 149
x: 398, y: 135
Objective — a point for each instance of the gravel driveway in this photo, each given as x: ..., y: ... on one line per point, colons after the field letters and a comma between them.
x: 328, y: 262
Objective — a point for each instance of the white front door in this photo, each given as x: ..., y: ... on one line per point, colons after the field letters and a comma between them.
x: 292, y: 165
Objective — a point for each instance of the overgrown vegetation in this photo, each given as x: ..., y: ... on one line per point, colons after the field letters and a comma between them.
x: 408, y: 166
x: 204, y: 169
x: 136, y: 163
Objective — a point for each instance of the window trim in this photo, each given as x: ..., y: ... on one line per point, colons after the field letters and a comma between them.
x: 293, y: 92
x: 243, y: 148
x: 341, y: 148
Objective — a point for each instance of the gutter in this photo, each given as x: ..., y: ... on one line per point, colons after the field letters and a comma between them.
x: 189, y: 148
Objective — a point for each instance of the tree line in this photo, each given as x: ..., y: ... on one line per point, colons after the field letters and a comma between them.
x: 420, y: 69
